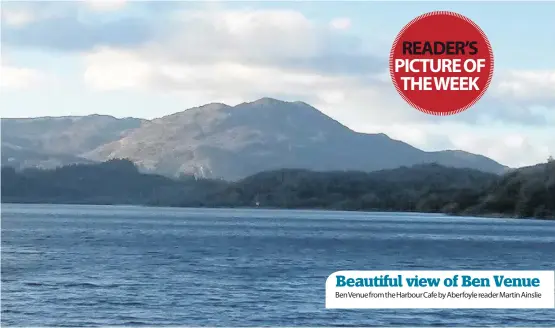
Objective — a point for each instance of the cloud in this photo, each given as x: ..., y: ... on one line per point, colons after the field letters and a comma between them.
x: 71, y: 34
x: 251, y: 53
x: 19, y: 77
x: 234, y: 51
x: 109, y: 69
x: 529, y: 87
x: 116, y: 69
x: 18, y: 14
x: 105, y: 5
x: 340, y: 23
x: 283, y: 38
x: 513, y: 149
x: 65, y: 26
x: 17, y: 18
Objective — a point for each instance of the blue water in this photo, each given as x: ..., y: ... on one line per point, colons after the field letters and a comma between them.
x: 111, y: 265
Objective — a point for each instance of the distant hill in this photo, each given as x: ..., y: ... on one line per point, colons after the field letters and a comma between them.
x: 220, y: 141
x: 54, y: 141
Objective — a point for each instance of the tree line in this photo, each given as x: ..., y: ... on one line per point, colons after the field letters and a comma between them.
x: 527, y: 192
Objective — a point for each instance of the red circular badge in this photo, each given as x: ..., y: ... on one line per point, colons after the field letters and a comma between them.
x: 441, y: 63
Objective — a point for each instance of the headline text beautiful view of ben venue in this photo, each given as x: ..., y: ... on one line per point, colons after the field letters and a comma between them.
x: 215, y: 163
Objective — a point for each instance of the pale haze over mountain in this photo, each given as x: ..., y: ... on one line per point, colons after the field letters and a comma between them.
x: 148, y: 60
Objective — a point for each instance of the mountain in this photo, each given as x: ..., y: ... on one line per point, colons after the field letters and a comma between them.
x: 54, y: 141
x: 218, y: 141
x: 221, y: 141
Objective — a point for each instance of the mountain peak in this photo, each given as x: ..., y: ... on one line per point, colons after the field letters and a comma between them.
x: 216, y: 104
x: 280, y: 106
x: 213, y: 106
x: 268, y: 101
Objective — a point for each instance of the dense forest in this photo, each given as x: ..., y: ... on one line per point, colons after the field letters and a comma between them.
x: 527, y: 192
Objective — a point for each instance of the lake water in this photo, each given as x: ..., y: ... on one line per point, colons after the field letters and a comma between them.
x: 117, y: 265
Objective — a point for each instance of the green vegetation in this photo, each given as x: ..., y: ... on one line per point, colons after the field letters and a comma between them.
x: 112, y: 182
x: 527, y: 192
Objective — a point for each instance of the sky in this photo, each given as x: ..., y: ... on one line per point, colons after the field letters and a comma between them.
x: 149, y: 59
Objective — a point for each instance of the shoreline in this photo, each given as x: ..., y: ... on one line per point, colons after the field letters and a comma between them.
x: 452, y: 215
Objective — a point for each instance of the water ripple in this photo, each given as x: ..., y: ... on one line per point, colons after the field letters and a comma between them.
x: 129, y: 266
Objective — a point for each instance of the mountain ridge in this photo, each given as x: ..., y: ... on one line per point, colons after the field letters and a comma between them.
x: 221, y: 141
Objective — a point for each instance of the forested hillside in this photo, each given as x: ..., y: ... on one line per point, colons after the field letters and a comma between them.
x: 424, y: 188
x: 528, y: 192
x: 111, y: 182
